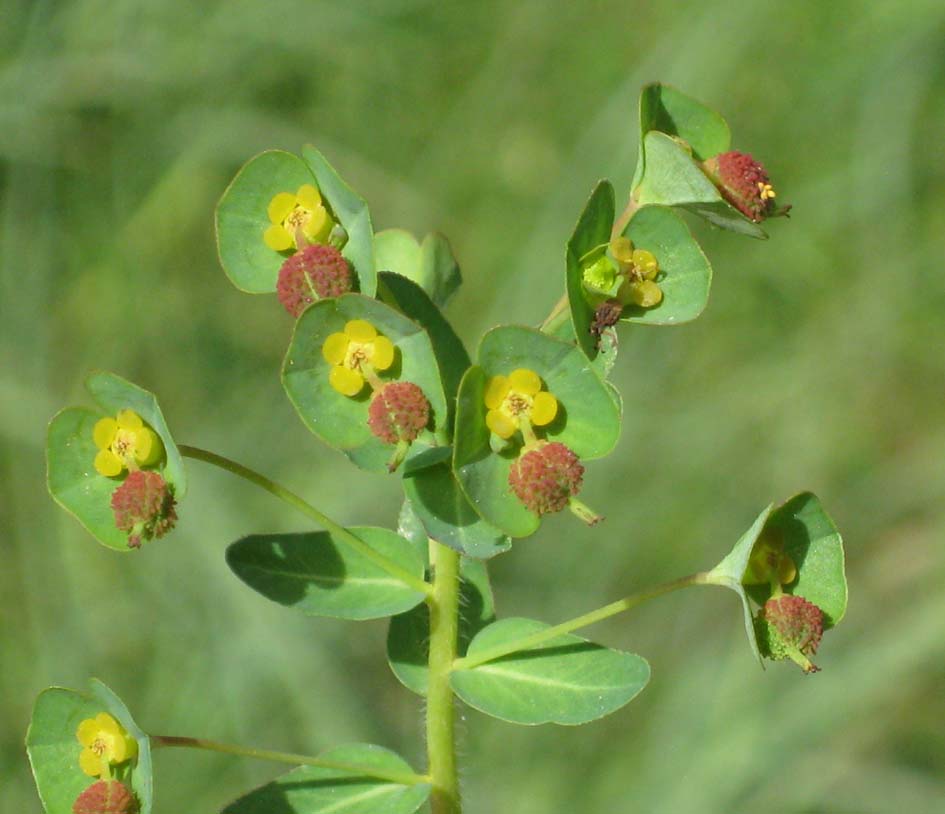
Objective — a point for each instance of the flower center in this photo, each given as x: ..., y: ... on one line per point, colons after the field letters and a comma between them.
x: 358, y: 353
x: 124, y: 444
x: 517, y: 403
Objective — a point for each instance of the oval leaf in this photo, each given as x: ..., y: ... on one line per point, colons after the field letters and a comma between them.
x: 338, y: 420
x: 408, y: 638
x: 567, y: 680
x: 352, y: 212
x: 54, y: 750
x: 670, y: 111
x: 320, y: 576
x: 316, y: 790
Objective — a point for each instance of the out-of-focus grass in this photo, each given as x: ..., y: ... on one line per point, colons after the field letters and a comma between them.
x: 817, y: 365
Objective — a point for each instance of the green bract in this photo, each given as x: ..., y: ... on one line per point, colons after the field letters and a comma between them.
x: 54, y: 750
x: 322, y: 576
x: 341, y: 421
x: 241, y: 218
x: 318, y: 790
x: 70, y: 452
x: 588, y: 419
x: 810, y: 538
x: 567, y: 680
x: 431, y: 264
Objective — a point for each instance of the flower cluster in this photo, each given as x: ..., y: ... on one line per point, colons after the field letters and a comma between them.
x: 745, y: 184
x: 316, y: 272
x: 517, y: 402
x: 105, y: 743
x: 125, y: 442
x: 297, y: 220
x: 356, y: 354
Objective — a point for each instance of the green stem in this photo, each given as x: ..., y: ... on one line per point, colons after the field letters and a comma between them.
x: 444, y: 626
x: 624, y: 218
x: 535, y: 639
x: 558, y: 315
x: 404, y: 778
x: 308, y: 510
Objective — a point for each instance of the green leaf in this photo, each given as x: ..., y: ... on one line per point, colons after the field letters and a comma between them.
x: 446, y: 514
x: 568, y: 680
x: 242, y: 219
x: 338, y: 420
x: 316, y: 790
x: 113, y: 393
x: 71, y: 477
x: 54, y: 750
x: 430, y: 264
x: 588, y: 419
x: 672, y: 178
x: 413, y: 302
x: 685, y: 274
x: 321, y: 576
x: 670, y: 111
x: 592, y: 231
x: 408, y: 637
x: 353, y: 214
x: 814, y: 544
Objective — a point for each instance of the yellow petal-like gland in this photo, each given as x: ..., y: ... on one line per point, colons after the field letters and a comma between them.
x: 315, y: 223
x: 308, y: 197
x: 501, y: 424
x: 544, y: 409
x: 280, y: 207
x: 103, y: 433
x: 277, y: 238
x: 360, y: 330
x: 497, y: 389
x: 335, y: 348
x: 346, y: 381
x: 644, y: 293
x: 645, y: 263
x: 107, y: 463
x: 129, y: 420
x: 383, y: 355
x: 524, y: 381
x: 787, y: 570
x: 89, y: 728
x: 148, y: 447
x: 622, y: 250
x: 90, y: 763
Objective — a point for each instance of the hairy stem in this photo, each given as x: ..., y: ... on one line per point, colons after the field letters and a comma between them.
x: 539, y: 638
x: 404, y: 778
x: 340, y: 532
x: 441, y: 735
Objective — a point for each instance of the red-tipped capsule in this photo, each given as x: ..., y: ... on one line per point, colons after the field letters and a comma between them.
x: 106, y: 797
x: 398, y: 413
x: 745, y: 184
x: 790, y: 627
x: 547, y: 478
x: 314, y: 273
x: 144, y: 507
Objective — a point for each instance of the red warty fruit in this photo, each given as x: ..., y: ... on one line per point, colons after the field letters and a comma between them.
x: 744, y: 183
x: 546, y: 478
x: 106, y: 797
x: 314, y: 273
x: 144, y: 507
x: 790, y: 627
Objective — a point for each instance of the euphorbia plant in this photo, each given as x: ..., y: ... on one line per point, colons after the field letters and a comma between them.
x: 484, y: 448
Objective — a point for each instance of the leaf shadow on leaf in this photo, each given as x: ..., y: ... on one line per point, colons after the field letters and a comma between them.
x: 546, y: 652
x: 430, y: 491
x: 292, y: 557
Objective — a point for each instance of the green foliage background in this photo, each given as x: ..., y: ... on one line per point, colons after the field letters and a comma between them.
x: 818, y: 364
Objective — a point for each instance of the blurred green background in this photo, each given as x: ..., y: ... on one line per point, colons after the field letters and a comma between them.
x: 818, y: 364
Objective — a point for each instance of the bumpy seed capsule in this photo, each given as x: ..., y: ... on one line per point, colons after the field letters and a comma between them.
x: 744, y: 183
x: 547, y: 478
x: 790, y: 627
x: 106, y: 797
x: 144, y: 507
x: 316, y: 272
x: 398, y: 413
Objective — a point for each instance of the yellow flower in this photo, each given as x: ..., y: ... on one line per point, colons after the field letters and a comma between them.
x: 298, y: 220
x: 639, y: 268
x: 104, y: 743
x: 354, y: 356
x: 125, y: 442
x: 517, y: 402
